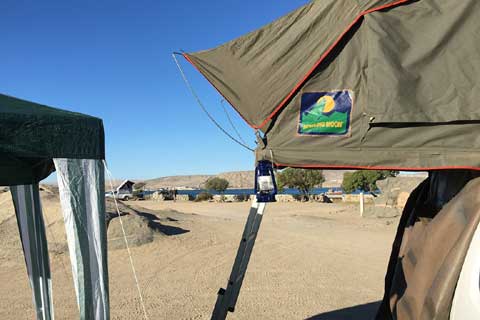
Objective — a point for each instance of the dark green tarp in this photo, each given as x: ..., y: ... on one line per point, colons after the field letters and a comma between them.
x: 31, y: 135
x: 359, y: 84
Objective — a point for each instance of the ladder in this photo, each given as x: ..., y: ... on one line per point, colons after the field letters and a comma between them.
x: 227, y: 298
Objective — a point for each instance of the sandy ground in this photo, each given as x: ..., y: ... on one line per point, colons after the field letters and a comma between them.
x: 311, y: 261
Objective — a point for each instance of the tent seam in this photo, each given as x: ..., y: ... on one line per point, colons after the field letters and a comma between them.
x: 314, y: 166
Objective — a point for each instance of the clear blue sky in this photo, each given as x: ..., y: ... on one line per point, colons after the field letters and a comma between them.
x: 112, y: 59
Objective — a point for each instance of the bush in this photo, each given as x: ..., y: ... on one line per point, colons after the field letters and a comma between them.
x: 302, y: 179
x: 365, y: 180
x: 299, y: 197
x: 203, y: 196
x: 242, y: 197
x: 217, y: 184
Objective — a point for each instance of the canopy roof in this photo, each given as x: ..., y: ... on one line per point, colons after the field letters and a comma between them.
x: 339, y: 84
x: 31, y: 135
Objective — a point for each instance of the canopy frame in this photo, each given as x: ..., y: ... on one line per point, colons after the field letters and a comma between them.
x: 36, y: 140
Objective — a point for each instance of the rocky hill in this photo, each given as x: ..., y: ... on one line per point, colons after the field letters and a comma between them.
x: 191, y: 181
x: 237, y: 179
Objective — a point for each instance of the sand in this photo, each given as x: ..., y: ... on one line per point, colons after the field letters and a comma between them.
x: 311, y: 261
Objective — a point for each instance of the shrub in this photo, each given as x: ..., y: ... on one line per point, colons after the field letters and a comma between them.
x: 242, y: 197
x: 217, y: 184
x: 203, y: 196
x: 302, y: 179
x: 365, y: 180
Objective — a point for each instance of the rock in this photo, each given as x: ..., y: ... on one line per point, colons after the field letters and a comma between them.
x: 157, y: 196
x: 184, y: 197
x: 285, y: 198
x: 368, y: 198
x: 402, y: 199
x: 395, y: 191
x: 224, y: 198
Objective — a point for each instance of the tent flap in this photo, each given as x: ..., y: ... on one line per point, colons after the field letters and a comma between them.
x: 26, y: 199
x: 82, y: 195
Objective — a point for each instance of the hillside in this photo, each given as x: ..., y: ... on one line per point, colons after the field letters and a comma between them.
x: 189, y: 181
x: 237, y: 179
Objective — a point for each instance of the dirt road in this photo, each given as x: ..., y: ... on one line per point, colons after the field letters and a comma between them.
x: 311, y: 261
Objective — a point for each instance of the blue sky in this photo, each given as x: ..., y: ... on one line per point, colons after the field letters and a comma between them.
x: 112, y: 59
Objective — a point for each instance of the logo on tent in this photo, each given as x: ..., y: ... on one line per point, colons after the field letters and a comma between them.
x: 325, y: 113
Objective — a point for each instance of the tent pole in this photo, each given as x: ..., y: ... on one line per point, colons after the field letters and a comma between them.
x: 227, y: 298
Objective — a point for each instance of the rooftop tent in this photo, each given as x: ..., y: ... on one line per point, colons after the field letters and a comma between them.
x: 359, y: 84
x: 36, y: 140
x: 374, y: 84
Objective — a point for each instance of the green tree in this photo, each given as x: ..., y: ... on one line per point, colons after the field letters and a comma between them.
x: 138, y: 190
x: 365, y: 180
x: 217, y: 184
x: 302, y: 179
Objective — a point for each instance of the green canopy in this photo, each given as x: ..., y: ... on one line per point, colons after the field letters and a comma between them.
x: 359, y: 84
x: 31, y: 135
x: 36, y: 140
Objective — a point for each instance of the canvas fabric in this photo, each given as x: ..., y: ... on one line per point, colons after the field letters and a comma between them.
x: 28, y: 209
x: 82, y: 195
x: 32, y: 134
x: 465, y: 304
x: 404, y: 74
x: 428, y: 254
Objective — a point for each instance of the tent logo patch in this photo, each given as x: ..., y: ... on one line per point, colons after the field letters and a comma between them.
x: 325, y: 113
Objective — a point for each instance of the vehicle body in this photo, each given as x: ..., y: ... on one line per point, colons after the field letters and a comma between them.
x: 122, y: 195
x: 123, y: 192
x: 466, y: 302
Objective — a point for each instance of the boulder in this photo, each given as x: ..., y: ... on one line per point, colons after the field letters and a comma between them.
x: 184, y: 197
x: 157, y: 196
x: 285, y: 198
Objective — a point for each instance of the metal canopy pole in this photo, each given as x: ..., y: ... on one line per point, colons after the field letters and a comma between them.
x: 227, y: 298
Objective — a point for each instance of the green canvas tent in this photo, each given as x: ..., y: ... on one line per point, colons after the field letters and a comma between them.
x: 373, y: 84
x: 36, y: 140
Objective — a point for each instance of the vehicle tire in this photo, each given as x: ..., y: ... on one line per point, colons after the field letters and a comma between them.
x: 126, y: 198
